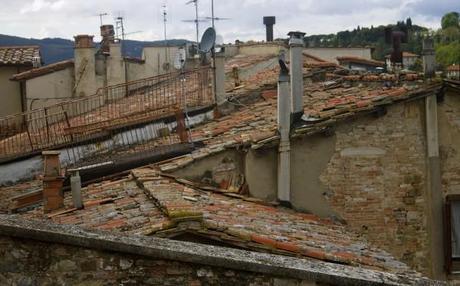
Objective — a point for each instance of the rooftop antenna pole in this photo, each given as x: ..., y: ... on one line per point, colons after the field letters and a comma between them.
x: 196, y: 19
x: 165, y: 21
x: 212, y: 13
x: 101, y: 16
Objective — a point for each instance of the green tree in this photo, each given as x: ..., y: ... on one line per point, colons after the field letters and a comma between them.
x: 448, y: 54
x: 450, y: 20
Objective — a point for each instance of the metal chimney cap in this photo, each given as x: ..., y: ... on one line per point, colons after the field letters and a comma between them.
x: 269, y: 20
x: 296, y: 34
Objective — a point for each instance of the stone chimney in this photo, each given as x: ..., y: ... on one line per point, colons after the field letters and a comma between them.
x: 429, y: 58
x: 220, y: 77
x: 269, y: 22
x: 284, y: 128
x: 85, y: 66
x: 296, y: 62
x: 53, y: 196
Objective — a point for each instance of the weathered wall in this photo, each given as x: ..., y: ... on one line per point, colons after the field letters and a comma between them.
x: 42, y: 253
x: 449, y: 141
x: 377, y: 181
x: 331, y: 54
x: 85, y: 72
x: 10, y: 92
x: 157, y: 59
x: 50, y: 89
x: 26, y: 262
x: 115, y: 66
x: 260, y: 49
x: 136, y: 71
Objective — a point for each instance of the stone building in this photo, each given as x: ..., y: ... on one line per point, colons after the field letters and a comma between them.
x: 15, y: 60
x: 453, y: 72
x: 308, y: 178
x: 409, y: 60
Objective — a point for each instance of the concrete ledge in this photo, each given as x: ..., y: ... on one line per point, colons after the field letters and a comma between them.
x: 156, y: 248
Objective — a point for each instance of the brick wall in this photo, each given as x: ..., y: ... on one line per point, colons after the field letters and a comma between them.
x: 377, y: 181
x: 26, y: 262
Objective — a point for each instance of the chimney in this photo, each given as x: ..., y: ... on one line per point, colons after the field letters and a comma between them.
x: 220, y: 77
x: 85, y: 66
x: 53, y: 196
x: 429, y: 58
x: 296, y: 62
x: 269, y: 21
x: 75, y: 186
x: 284, y: 128
x: 108, y: 37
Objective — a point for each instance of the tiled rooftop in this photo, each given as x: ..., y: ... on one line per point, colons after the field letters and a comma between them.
x: 19, y: 55
x: 149, y: 203
x: 255, y: 125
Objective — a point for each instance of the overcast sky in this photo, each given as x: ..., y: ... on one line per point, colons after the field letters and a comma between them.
x: 66, y: 18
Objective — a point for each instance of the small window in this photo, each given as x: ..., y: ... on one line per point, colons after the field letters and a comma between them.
x: 452, y: 233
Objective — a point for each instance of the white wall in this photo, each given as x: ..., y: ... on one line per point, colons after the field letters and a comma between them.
x: 50, y: 89
x: 331, y: 54
x: 10, y: 92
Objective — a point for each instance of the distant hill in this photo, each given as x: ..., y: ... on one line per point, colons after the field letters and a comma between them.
x: 57, y: 49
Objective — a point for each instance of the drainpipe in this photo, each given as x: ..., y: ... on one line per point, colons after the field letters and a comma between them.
x: 296, y: 62
x: 284, y: 126
x: 435, y: 197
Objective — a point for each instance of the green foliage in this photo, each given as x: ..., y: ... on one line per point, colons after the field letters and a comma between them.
x: 370, y: 37
x: 450, y: 20
x: 448, y: 54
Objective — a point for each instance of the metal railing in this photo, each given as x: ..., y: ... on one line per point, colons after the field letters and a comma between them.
x: 110, y: 108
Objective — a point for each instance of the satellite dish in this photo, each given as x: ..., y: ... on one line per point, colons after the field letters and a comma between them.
x: 179, y: 59
x: 208, y: 40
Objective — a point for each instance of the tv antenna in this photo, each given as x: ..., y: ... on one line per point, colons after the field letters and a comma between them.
x: 197, y: 20
x: 119, y: 21
x: 213, y: 17
x: 101, y: 17
x: 165, y: 22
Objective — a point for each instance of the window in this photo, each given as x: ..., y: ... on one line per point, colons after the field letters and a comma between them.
x: 452, y: 233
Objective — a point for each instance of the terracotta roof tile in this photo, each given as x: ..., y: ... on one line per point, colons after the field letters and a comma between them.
x: 19, y: 55
x: 149, y: 203
x: 33, y: 73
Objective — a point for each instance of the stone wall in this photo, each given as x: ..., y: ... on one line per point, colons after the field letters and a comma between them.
x: 42, y: 253
x: 25, y: 262
x: 449, y: 141
x: 377, y: 181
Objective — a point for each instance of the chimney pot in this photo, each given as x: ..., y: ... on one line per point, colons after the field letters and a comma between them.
x: 84, y: 41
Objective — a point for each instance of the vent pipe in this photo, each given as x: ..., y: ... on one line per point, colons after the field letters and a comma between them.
x: 284, y: 128
x: 269, y: 21
x: 296, y: 44
x: 75, y: 187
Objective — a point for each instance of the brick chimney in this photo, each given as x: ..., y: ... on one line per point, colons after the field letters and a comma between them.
x: 85, y: 66
x: 108, y: 37
x: 53, y: 196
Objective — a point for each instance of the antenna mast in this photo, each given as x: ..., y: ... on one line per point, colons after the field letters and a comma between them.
x: 165, y: 22
x: 196, y: 19
x: 101, y: 16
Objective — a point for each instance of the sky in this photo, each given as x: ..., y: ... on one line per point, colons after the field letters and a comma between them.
x: 144, y: 18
